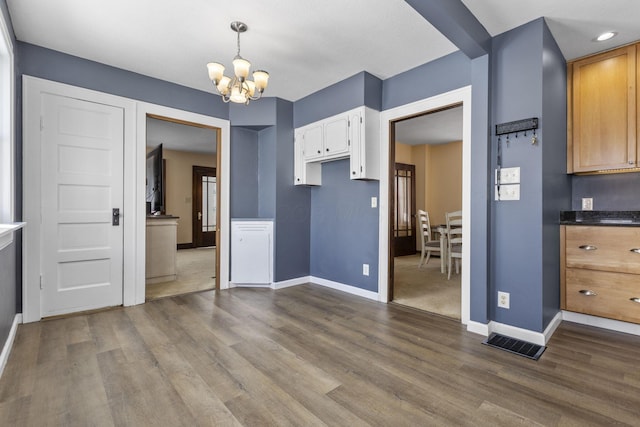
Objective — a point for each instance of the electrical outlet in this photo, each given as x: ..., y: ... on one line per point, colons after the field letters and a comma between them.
x: 587, y: 203
x: 503, y: 299
x: 374, y: 202
x: 365, y: 269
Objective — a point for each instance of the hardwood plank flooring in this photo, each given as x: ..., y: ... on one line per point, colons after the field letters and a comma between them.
x: 306, y: 356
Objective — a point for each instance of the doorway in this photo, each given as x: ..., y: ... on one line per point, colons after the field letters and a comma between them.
x: 404, y: 221
x: 191, y: 160
x: 389, y: 120
x: 430, y: 144
x: 204, y: 212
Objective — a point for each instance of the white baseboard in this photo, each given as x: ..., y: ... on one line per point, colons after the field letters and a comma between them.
x: 6, y: 350
x: 345, y: 288
x: 540, y: 338
x: 478, y: 328
x: 601, y: 322
x: 291, y: 282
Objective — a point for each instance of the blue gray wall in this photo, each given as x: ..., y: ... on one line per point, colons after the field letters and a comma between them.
x: 52, y: 65
x: 243, y: 200
x: 8, y: 290
x: 344, y: 228
x: 433, y: 78
x: 262, y: 181
x: 616, y: 192
x: 525, y: 233
x: 556, y: 184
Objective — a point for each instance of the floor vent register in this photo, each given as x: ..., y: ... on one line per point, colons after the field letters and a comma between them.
x: 512, y: 345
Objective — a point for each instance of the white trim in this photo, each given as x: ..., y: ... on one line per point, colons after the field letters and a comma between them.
x: 7, y: 126
x: 7, y: 231
x: 33, y: 88
x: 601, y: 322
x: 145, y: 108
x: 552, y: 326
x: 478, y: 328
x: 8, y: 344
x: 291, y: 282
x: 344, y: 288
x: 462, y: 95
x: 540, y: 338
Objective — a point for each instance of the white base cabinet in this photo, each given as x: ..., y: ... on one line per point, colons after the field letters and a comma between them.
x: 354, y: 134
x: 251, y: 252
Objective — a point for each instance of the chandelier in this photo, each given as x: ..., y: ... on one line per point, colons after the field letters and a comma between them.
x: 238, y: 89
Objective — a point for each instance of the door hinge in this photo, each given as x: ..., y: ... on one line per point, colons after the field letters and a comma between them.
x: 41, y: 282
x: 41, y: 123
x: 360, y: 119
x: 348, y: 123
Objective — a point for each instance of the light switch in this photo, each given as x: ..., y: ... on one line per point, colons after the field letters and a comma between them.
x: 508, y: 192
x: 509, y: 175
x: 374, y: 202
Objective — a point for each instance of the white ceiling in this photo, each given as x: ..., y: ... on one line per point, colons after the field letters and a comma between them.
x: 304, y: 45
x: 180, y: 137
x: 435, y: 128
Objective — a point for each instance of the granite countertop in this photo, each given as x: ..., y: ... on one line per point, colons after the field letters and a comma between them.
x: 608, y: 218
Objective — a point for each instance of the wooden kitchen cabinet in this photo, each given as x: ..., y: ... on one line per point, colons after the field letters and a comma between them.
x: 602, y: 112
x: 600, y: 271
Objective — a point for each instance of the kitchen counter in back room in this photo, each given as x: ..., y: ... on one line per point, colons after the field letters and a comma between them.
x: 605, y: 218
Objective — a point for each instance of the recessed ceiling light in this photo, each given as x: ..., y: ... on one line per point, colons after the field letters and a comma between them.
x: 606, y: 36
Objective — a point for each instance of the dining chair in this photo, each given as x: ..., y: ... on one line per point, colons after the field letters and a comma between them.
x: 454, y: 240
x: 428, y: 245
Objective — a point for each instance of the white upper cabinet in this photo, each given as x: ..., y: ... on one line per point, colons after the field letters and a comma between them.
x: 353, y: 134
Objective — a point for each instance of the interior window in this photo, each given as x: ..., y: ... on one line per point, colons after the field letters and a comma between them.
x: 6, y: 126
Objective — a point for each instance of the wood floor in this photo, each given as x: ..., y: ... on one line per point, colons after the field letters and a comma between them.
x: 306, y: 356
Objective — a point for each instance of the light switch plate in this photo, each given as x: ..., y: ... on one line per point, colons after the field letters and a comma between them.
x: 509, y: 175
x: 374, y: 202
x: 507, y: 192
x: 587, y: 203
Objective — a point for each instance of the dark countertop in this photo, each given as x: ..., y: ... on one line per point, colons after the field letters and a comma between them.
x: 162, y: 217
x: 607, y: 218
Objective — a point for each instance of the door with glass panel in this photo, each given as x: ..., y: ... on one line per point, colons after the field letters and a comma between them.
x: 204, y: 206
x: 404, y: 226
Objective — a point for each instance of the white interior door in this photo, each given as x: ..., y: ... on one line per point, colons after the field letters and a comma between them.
x: 82, y: 182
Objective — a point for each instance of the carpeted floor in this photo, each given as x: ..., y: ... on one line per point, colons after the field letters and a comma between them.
x: 426, y: 288
x: 196, y: 272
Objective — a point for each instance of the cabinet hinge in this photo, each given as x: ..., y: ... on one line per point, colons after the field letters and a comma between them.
x: 361, y: 168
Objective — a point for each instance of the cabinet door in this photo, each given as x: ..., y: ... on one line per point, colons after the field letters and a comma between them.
x: 336, y: 136
x: 604, y: 111
x: 357, y: 146
x: 312, y: 142
x: 298, y: 161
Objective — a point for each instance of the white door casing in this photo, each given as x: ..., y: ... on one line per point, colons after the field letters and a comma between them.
x: 462, y: 95
x: 34, y: 91
x: 82, y: 182
x: 133, y: 218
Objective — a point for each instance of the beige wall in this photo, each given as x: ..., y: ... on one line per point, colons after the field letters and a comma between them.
x: 179, y: 183
x: 444, y: 181
x: 438, y: 177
